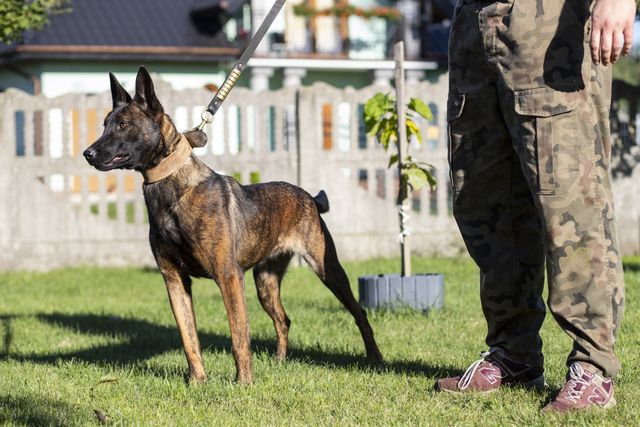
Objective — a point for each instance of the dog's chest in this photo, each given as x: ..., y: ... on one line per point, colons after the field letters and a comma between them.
x: 163, y: 217
x: 167, y: 229
x: 172, y: 241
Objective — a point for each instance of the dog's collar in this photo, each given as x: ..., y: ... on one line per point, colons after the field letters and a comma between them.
x: 169, y: 164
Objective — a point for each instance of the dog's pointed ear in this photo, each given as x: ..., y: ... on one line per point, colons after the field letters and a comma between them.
x: 145, y: 93
x: 119, y: 96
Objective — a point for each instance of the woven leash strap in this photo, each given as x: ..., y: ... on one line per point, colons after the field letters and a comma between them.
x: 238, y: 68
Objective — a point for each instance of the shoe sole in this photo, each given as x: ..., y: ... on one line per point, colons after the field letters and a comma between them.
x: 537, y: 384
x: 610, y: 404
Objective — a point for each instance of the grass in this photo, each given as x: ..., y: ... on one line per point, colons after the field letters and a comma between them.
x: 75, y: 341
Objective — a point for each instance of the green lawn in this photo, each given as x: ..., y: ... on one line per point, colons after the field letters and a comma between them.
x: 78, y: 340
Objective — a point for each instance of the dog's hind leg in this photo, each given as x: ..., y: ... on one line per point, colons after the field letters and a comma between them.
x: 323, y: 259
x: 268, y: 276
x: 179, y: 290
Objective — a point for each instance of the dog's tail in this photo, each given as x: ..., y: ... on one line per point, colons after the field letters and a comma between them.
x: 322, y: 202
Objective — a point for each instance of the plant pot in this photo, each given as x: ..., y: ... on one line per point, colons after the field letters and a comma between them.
x: 420, y: 292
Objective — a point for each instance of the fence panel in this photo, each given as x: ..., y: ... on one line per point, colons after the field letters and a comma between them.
x: 58, y: 211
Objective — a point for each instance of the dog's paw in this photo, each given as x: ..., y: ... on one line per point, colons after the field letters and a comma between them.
x: 194, y: 380
x: 244, y: 379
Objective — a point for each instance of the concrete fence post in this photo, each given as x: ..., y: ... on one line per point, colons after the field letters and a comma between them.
x: 7, y: 152
x: 308, y: 139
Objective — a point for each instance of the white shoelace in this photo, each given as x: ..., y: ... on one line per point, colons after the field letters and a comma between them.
x: 465, y: 380
x: 575, y: 378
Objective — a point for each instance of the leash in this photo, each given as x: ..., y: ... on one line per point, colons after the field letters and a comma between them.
x: 196, y: 137
x: 208, y: 113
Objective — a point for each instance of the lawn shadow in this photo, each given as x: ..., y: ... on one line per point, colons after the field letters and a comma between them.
x: 144, y: 340
x: 631, y: 266
x: 37, y: 411
x: 7, y: 333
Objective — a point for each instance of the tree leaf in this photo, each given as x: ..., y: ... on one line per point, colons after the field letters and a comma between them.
x: 375, y: 106
x: 388, y: 134
x: 421, y: 108
x: 418, y: 177
x: 372, y: 128
x: 415, y: 178
x: 376, y: 110
x: 413, y: 129
x: 18, y: 16
x: 393, y: 159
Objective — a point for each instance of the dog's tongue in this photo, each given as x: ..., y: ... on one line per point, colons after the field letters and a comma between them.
x: 196, y: 138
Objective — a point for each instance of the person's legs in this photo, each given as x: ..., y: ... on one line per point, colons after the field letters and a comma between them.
x: 499, y: 222
x: 493, y: 204
x: 498, y: 219
x: 561, y: 130
x: 523, y: 90
x: 560, y: 104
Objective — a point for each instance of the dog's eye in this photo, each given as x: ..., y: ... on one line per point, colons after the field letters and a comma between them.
x: 123, y: 125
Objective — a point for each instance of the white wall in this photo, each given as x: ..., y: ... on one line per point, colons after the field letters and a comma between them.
x: 56, y: 83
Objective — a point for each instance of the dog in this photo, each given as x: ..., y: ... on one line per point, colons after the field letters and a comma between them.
x: 203, y: 224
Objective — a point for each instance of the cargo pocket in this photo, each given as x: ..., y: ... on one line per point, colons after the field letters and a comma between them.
x: 460, y: 153
x: 556, y: 147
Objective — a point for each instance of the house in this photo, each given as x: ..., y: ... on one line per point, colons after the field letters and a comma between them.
x: 73, y: 53
x: 194, y: 43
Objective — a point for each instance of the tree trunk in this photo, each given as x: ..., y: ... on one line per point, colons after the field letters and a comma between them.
x: 403, y: 200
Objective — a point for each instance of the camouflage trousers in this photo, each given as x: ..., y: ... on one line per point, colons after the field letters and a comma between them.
x: 529, y: 153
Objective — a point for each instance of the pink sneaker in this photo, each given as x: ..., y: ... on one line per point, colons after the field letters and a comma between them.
x: 491, y: 372
x: 584, y: 389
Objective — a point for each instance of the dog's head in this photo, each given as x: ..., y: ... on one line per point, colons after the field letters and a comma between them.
x: 137, y: 133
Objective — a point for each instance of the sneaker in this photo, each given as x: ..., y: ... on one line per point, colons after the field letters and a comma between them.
x: 584, y: 389
x: 491, y: 372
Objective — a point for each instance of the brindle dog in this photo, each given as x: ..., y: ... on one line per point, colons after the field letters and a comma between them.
x: 203, y: 224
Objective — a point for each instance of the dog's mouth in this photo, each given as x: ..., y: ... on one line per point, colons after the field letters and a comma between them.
x: 118, y: 161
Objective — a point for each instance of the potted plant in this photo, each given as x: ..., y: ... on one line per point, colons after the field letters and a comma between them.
x: 393, y: 123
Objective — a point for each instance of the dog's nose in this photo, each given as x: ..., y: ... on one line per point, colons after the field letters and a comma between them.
x: 90, y: 153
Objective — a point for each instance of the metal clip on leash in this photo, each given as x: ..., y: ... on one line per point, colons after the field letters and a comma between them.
x: 208, y: 113
x: 206, y: 117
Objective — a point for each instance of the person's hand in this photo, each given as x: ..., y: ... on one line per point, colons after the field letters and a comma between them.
x: 612, y: 30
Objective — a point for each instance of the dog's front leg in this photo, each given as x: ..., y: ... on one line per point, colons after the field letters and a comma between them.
x: 231, y: 283
x: 179, y: 290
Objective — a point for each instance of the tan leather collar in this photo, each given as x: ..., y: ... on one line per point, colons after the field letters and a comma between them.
x: 169, y: 164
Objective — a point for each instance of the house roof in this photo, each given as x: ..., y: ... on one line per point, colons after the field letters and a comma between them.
x: 184, y: 30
